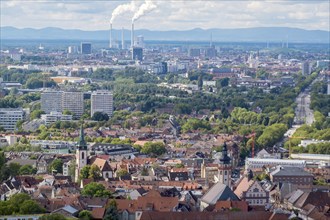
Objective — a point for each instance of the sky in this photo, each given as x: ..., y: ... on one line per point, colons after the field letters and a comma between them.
x: 166, y: 14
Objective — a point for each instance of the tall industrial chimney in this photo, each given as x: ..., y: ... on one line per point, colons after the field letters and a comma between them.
x: 110, y: 43
x: 122, y: 39
x: 132, y: 36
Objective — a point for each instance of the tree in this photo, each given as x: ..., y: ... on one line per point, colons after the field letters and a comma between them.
x: 121, y: 173
x: 183, y: 108
x: 53, y: 216
x: 56, y: 165
x: 14, y: 169
x: 20, y: 203
x: 154, y: 149
x: 27, y: 170
x: 271, y: 135
x: 112, y: 211
x: 85, y: 215
x: 95, y: 190
x: 222, y: 83
x: 30, y: 207
x: 36, y: 114
x: 67, y: 112
x: 84, y: 172
x: 94, y: 172
x: 195, y: 124
x: 100, y: 116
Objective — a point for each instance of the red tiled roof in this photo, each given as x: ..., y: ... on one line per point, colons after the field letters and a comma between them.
x: 98, y: 213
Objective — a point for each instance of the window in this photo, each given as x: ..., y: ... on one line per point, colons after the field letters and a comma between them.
x: 83, y: 155
x: 225, y: 172
x: 255, y: 190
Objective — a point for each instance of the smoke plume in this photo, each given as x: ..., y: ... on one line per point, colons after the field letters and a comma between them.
x: 146, y: 7
x: 122, y: 9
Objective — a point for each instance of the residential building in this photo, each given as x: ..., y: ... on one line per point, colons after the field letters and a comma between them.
x: 102, y: 101
x: 178, y: 174
x: 73, y: 102
x: 105, y: 169
x: 66, y: 168
x: 251, y: 191
x: 218, y: 192
x: 306, y: 68
x: 294, y: 175
x: 54, y: 117
x: 9, y: 118
x: 51, y: 101
x: 153, y: 201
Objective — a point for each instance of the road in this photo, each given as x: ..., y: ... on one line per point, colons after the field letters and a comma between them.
x: 303, y: 113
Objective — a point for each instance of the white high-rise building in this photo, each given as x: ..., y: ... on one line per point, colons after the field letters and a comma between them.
x: 73, y: 102
x: 102, y: 101
x: 9, y: 118
x: 139, y: 41
x: 306, y: 68
x: 51, y: 101
x: 58, y: 101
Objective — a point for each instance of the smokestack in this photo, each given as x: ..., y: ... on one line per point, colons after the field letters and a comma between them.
x: 110, y: 43
x: 132, y: 35
x: 122, y: 39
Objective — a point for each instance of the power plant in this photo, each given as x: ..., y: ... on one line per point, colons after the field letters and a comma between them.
x: 144, y: 8
x: 132, y: 35
x: 110, y: 43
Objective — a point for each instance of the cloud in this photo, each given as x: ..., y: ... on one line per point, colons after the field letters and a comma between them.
x: 169, y: 15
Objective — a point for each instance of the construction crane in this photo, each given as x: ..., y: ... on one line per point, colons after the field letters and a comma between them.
x: 253, y: 136
x: 290, y: 149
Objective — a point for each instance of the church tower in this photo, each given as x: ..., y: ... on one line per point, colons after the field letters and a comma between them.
x: 225, y: 168
x: 81, y: 153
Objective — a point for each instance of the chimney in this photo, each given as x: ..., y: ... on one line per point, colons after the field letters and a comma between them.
x: 110, y: 43
x: 122, y: 39
x: 132, y: 36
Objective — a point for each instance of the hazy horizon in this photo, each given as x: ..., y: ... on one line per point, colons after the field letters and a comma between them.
x: 165, y: 15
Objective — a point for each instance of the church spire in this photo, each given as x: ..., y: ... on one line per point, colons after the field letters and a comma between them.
x: 225, y: 159
x: 82, y: 143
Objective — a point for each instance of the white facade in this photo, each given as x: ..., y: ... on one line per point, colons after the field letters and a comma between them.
x: 74, y: 102
x: 54, y: 117
x: 102, y: 101
x: 257, y: 163
x: 58, y: 101
x: 224, y: 174
x: 306, y: 68
x: 66, y: 168
x: 9, y: 117
x: 81, y: 161
x: 256, y: 195
x: 139, y: 41
x: 51, y: 101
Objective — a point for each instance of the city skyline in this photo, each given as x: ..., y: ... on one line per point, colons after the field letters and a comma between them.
x: 166, y: 15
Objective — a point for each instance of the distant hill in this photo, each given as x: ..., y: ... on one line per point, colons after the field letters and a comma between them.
x: 260, y: 34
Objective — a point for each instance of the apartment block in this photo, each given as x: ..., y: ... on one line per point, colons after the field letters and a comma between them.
x: 102, y: 101
x: 9, y: 117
